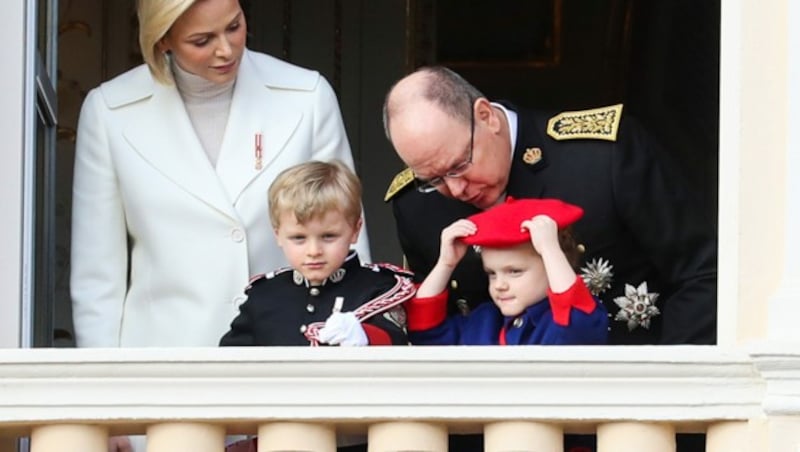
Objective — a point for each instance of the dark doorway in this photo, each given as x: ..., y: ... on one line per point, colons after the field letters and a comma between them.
x: 658, y: 57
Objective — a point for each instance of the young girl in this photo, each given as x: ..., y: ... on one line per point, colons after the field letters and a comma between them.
x: 538, y: 298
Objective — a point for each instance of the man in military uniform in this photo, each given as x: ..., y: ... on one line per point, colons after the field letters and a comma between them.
x: 649, y: 252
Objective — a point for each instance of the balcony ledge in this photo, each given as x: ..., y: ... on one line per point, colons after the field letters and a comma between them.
x: 571, y: 385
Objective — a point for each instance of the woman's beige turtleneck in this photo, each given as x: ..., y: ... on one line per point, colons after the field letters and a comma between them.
x: 208, y: 105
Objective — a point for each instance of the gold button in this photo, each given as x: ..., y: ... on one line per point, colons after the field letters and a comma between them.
x: 310, y: 308
x: 303, y: 328
x: 581, y: 248
x: 454, y: 284
x: 314, y: 291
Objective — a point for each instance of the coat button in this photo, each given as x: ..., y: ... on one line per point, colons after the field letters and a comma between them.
x: 314, y: 291
x: 310, y: 308
x: 581, y: 248
x: 454, y: 284
x: 303, y: 329
x: 518, y: 322
x: 237, y: 235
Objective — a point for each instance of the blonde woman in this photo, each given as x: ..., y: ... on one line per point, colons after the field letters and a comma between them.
x: 173, y: 162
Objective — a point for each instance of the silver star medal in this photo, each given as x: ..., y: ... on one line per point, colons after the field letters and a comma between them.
x: 597, y: 275
x: 637, y: 307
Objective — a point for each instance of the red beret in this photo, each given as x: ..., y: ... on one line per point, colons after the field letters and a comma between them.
x: 500, y: 226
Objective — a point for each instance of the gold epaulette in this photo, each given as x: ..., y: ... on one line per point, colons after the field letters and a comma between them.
x: 597, y: 123
x: 399, y: 182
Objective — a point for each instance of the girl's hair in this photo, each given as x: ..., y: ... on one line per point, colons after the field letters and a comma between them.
x: 312, y: 189
x: 156, y: 17
x: 570, y: 246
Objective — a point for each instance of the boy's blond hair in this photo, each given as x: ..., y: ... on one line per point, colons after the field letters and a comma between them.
x: 312, y: 189
x: 156, y: 17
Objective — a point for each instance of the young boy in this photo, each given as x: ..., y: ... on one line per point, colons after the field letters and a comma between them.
x: 326, y: 296
x: 538, y: 298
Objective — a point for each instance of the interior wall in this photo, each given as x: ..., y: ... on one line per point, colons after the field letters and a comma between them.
x: 359, y: 46
x: 97, y: 41
x: 673, y: 83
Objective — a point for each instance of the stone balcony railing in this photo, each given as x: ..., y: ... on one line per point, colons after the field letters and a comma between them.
x: 399, y: 398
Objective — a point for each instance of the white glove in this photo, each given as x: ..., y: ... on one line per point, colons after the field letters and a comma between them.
x: 343, y: 328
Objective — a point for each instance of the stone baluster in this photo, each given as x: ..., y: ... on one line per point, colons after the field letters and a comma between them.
x: 405, y: 436
x: 69, y: 438
x: 284, y: 436
x: 185, y: 437
x: 520, y: 436
x: 727, y: 437
x: 635, y: 437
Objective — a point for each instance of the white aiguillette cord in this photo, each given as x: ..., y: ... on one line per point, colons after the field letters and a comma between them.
x: 337, y: 305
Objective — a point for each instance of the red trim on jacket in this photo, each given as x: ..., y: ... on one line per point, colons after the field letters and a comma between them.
x: 577, y: 296
x: 376, y: 336
x: 424, y: 313
x: 501, y: 340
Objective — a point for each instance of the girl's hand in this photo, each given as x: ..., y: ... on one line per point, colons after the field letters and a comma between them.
x: 452, y: 249
x: 544, y: 233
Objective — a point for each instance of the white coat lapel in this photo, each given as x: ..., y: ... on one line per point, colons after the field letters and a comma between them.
x: 255, y: 108
x: 172, y: 147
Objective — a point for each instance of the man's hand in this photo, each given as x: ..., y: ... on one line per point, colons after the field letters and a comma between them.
x: 343, y: 328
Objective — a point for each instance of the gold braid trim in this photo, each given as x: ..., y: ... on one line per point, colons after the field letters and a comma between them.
x: 399, y: 182
x: 597, y: 123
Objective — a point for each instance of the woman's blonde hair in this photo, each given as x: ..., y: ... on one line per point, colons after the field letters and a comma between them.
x: 312, y: 189
x: 156, y: 17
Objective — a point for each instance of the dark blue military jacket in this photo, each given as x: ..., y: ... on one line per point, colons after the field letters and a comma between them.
x: 535, y: 326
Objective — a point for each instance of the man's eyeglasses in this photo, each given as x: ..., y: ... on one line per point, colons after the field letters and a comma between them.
x: 431, y: 185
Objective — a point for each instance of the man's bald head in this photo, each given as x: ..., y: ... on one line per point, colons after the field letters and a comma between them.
x: 444, y: 129
x: 432, y: 85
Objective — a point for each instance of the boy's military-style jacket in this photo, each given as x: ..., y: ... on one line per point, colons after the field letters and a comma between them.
x: 283, y: 309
